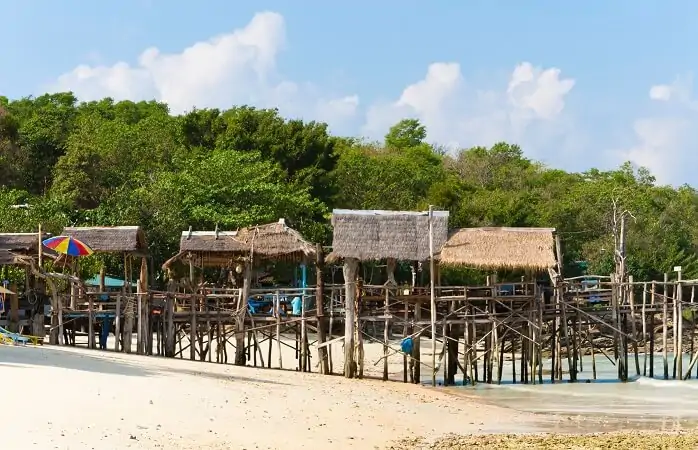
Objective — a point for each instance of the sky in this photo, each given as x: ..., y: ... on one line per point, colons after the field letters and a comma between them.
x: 575, y: 84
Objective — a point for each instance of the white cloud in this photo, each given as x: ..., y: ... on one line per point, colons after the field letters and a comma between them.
x: 524, y: 110
x: 233, y: 68
x: 680, y: 90
x: 659, y: 147
x: 663, y: 142
x: 240, y: 67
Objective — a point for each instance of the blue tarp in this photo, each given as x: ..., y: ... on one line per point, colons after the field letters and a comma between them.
x: 109, y: 282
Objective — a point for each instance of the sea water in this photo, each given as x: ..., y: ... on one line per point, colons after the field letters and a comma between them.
x: 640, y: 400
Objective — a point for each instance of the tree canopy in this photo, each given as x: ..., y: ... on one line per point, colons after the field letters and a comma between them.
x: 126, y: 163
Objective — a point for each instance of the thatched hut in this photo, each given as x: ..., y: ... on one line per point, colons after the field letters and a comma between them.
x: 18, y: 248
x: 501, y: 248
x: 128, y: 241
x: 367, y: 235
x: 242, y: 250
x: 123, y: 239
x: 270, y: 242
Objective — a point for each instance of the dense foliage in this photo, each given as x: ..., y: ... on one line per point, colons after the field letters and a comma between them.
x: 107, y: 163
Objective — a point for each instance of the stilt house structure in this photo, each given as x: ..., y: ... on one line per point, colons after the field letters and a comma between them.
x: 371, y: 235
x: 131, y: 244
x: 240, y: 252
x: 22, y: 250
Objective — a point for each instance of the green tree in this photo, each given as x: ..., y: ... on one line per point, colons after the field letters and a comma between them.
x: 406, y: 133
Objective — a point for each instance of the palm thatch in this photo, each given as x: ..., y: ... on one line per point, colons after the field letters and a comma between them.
x: 210, y: 242
x: 275, y: 241
x: 374, y: 235
x: 271, y: 242
x: 500, y: 248
x: 124, y: 239
x: 27, y: 243
x: 8, y: 258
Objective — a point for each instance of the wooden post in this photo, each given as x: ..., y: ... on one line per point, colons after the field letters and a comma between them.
x: 320, y: 308
x: 41, y: 248
x: 304, y: 333
x: 358, y: 329
x: 386, y: 349
x: 644, y: 328
x: 652, y: 327
x: 240, y: 316
x: 665, y: 318
x: 139, y: 328
x: 128, y: 324
x: 416, y: 346
x: 144, y: 309
x: 193, y: 328
x: 117, y: 324
x: 678, y: 326
x: 350, y: 270
x: 406, y: 331
x: 90, y: 321
x: 432, y: 294
x: 169, y: 326
x: 633, y: 325
x: 277, y: 312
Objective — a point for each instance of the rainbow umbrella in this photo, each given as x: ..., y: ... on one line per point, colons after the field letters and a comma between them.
x: 68, y: 246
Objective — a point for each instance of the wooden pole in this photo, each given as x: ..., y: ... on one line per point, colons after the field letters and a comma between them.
x: 386, y: 349
x: 240, y: 354
x: 432, y: 294
x: 41, y: 248
x: 169, y: 326
x: 678, y: 325
x: 633, y: 325
x: 665, y: 318
x: 350, y: 269
x: 320, y: 307
x: 277, y: 313
x: 652, y: 328
x: 644, y: 328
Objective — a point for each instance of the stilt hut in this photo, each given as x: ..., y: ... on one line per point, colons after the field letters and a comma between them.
x: 516, y: 304
x: 501, y: 248
x: 240, y: 252
x: 130, y: 242
x: 370, y: 235
x: 21, y: 250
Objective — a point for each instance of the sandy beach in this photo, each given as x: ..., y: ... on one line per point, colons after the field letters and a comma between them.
x: 73, y: 398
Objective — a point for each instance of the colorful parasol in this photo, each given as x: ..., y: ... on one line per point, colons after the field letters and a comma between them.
x: 68, y: 246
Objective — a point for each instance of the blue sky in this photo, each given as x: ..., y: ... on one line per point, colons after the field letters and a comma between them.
x: 370, y: 52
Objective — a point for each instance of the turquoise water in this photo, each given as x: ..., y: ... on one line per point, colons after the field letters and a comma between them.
x: 640, y: 399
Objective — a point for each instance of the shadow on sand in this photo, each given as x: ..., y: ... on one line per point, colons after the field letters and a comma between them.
x: 19, y: 357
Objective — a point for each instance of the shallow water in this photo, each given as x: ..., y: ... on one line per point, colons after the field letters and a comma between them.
x: 642, y: 402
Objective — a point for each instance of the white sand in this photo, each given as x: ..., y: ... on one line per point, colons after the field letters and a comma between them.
x: 71, y: 398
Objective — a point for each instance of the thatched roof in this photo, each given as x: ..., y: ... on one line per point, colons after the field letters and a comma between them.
x: 8, y: 258
x: 127, y: 239
x: 210, y: 242
x: 276, y: 240
x: 495, y: 248
x: 273, y: 241
x: 20, y: 242
x: 374, y: 235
